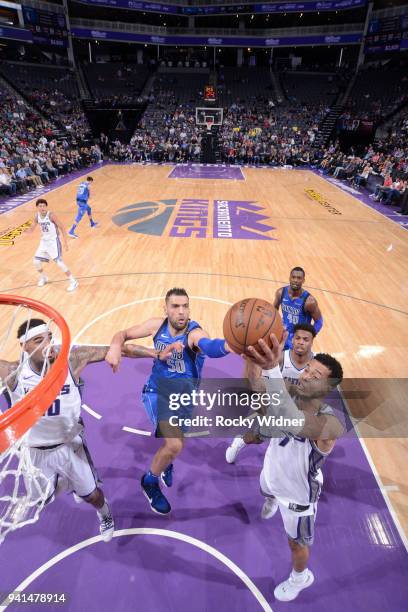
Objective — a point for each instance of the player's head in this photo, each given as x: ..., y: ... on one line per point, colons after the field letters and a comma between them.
x: 296, y: 278
x: 303, y: 337
x: 319, y: 377
x: 177, y: 307
x: 89, y: 179
x: 35, y: 339
x: 41, y: 205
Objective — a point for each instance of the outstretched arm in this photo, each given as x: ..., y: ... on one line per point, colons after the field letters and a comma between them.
x: 82, y: 355
x: 305, y: 424
x: 114, y: 354
x: 212, y: 348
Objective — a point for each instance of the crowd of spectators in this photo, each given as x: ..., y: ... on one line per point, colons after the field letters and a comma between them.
x: 256, y: 132
x: 385, y: 160
x: 167, y: 132
x: 62, y: 110
x: 30, y: 154
x: 265, y: 133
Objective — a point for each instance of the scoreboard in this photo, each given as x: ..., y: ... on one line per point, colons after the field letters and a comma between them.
x: 386, y: 34
x: 47, y: 28
x: 210, y: 93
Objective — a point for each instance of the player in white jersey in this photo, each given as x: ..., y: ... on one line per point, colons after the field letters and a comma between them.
x: 293, y: 363
x: 291, y: 477
x: 50, y: 243
x: 56, y: 441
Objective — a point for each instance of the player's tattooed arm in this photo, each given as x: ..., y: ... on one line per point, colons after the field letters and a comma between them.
x: 143, y: 330
x: 82, y: 355
x: 8, y: 371
x: 138, y: 351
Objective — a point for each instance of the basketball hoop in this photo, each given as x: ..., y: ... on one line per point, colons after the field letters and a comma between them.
x: 18, y: 420
x: 24, y: 489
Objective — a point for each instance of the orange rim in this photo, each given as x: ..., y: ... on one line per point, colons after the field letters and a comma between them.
x: 16, y: 421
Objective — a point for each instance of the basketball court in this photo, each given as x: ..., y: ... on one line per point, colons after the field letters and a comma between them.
x: 223, y: 233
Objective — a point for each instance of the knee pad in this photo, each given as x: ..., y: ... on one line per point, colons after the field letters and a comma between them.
x: 38, y: 264
x: 61, y: 264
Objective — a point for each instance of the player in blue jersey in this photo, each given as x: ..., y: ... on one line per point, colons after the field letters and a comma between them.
x: 187, y: 344
x: 297, y: 305
x: 83, y: 194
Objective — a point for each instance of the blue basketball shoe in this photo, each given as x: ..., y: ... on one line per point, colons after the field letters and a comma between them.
x: 151, y: 490
x: 167, y: 476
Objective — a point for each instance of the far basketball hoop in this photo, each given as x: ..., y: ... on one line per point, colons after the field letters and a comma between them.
x: 209, y: 117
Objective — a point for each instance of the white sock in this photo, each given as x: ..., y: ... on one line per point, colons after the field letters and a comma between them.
x: 104, y: 511
x: 299, y: 577
x: 71, y: 278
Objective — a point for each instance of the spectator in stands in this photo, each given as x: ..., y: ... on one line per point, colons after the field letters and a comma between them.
x: 362, y: 178
x: 395, y: 193
x: 382, y: 190
x: 6, y: 184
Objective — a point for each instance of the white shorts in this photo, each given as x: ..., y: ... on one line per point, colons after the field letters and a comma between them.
x: 299, y: 526
x: 71, y: 462
x: 50, y: 249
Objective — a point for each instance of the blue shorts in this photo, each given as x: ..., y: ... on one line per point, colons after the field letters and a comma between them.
x: 157, y: 409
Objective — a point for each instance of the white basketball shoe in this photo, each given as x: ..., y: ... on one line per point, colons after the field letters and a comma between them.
x: 290, y: 588
x: 234, y: 449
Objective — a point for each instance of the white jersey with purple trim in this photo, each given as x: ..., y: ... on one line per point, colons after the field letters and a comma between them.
x: 289, y: 371
x: 49, y: 231
x: 61, y: 421
x: 291, y: 470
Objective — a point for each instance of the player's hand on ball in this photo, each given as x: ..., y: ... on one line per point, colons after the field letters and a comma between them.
x: 168, y: 351
x: 269, y: 358
x: 113, y: 357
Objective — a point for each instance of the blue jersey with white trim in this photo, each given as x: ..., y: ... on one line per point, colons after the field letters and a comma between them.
x: 83, y: 193
x: 293, y: 310
x: 186, y: 364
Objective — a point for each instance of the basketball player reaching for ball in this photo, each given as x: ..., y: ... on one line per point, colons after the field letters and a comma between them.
x: 297, y: 305
x: 83, y: 194
x: 291, y: 478
x: 50, y: 243
x: 56, y: 442
x: 292, y: 364
x: 184, y: 364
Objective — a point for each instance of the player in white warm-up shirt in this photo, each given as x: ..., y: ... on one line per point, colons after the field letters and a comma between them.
x: 50, y: 247
x: 56, y: 441
x: 293, y: 363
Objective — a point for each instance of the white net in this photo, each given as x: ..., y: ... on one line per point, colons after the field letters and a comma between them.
x: 24, y: 489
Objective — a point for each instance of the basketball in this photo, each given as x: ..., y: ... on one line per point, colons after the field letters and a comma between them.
x: 251, y: 320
